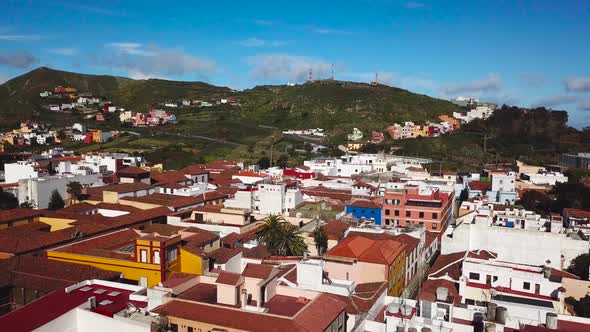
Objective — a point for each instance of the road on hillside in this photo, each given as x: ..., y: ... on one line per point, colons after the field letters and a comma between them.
x: 209, y: 139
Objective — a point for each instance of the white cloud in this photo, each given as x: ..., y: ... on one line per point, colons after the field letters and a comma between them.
x: 286, y: 67
x: 327, y: 31
x: 130, y: 49
x: 153, y: 61
x: 20, y: 37
x: 257, y: 42
x: 66, y: 51
x: 577, y: 84
x: 491, y: 83
x: 553, y: 101
x: 20, y: 59
x: 531, y: 79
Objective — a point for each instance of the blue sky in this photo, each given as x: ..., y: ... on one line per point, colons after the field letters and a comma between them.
x: 525, y: 53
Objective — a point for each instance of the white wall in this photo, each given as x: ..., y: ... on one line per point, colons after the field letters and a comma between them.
x: 17, y: 171
x: 519, y: 246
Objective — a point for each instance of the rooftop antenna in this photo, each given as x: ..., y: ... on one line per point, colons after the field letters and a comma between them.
x: 332, y: 72
x: 376, y: 82
x: 309, y: 77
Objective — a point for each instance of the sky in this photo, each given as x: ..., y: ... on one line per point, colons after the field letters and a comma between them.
x: 524, y: 53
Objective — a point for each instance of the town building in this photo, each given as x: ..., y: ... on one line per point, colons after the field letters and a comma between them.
x: 431, y: 208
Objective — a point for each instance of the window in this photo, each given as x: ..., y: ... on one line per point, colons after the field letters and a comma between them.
x: 473, y: 276
x: 372, y: 211
x: 407, y: 214
x: 387, y: 212
x: 143, y: 255
x: 353, y: 210
x: 434, y: 225
x: 495, y: 278
x: 172, y: 254
x: 421, y: 215
x: 526, y: 285
x: 156, y: 259
x: 434, y: 215
x: 396, y: 213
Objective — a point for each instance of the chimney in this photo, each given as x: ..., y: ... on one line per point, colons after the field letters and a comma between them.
x: 92, y: 303
x: 244, y: 297
x: 551, y: 321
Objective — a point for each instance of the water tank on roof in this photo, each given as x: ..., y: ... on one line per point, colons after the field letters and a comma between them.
x: 393, y: 308
x: 412, y: 329
x: 426, y: 329
x: 400, y: 328
x: 442, y: 293
x: 492, y: 311
x: 501, y: 314
x: 406, y: 310
x: 551, y: 321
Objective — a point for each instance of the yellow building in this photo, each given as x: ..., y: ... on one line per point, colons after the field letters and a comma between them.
x: 396, y: 277
x: 96, y: 136
x: 146, y: 259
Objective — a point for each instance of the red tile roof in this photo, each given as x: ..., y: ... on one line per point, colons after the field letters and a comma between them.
x: 479, y: 185
x: 428, y: 290
x: 315, y: 316
x: 251, y: 174
x: 363, y: 203
x: 430, y: 237
x: 131, y: 170
x: 223, y: 255
x: 449, y: 264
x: 258, y: 252
x: 363, y: 297
x: 410, y: 242
x: 120, y: 188
x: 335, y: 229
x: 380, y: 251
x: 169, y: 177
x: 194, y: 170
x: 201, y: 237
x: 577, y: 213
x: 228, y: 278
x: 258, y: 271
x: 177, y: 278
x: 201, y: 293
x: 172, y: 201
x: 7, y: 216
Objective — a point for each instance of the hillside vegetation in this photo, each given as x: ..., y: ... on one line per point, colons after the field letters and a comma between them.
x: 327, y: 104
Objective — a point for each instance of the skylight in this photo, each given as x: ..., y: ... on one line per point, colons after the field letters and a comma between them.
x: 85, y: 289
x: 105, y: 302
x: 99, y: 291
x: 114, y: 293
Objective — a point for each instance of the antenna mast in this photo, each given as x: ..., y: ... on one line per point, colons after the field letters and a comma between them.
x: 332, y: 72
x: 309, y: 77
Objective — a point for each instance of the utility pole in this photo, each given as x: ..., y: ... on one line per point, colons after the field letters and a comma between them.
x: 272, y: 144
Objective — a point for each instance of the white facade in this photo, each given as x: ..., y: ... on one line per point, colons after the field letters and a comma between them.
x: 546, y: 178
x: 37, y: 191
x: 20, y: 170
x: 524, y: 246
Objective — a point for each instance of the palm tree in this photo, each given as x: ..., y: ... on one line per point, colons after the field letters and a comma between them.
x: 321, y: 240
x: 270, y: 231
x: 290, y: 242
x: 74, y: 190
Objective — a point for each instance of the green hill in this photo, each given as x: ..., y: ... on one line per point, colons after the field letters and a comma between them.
x: 328, y: 104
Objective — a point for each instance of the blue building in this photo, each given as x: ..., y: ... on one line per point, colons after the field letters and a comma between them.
x: 365, y: 209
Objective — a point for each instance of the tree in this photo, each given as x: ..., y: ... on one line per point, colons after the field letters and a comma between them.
x: 321, y: 240
x: 270, y: 231
x: 56, y: 202
x: 280, y: 237
x: 290, y: 241
x: 74, y: 190
x: 7, y: 200
x: 536, y: 201
x: 26, y: 205
x: 282, y: 161
x: 579, y: 266
x: 263, y: 162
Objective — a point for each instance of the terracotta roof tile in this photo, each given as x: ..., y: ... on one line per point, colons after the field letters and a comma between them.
x: 17, y: 214
x: 380, y: 251
x: 228, y: 278
x: 335, y: 229
x: 363, y: 203
x: 223, y: 255
x: 131, y: 170
x: 258, y: 271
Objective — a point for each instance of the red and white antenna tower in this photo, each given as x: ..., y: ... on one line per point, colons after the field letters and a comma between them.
x: 332, y: 72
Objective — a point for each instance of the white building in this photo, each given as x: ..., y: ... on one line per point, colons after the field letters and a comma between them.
x: 37, y: 191
x: 477, y: 231
x: 547, y: 178
x: 267, y: 199
x: 14, y: 172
